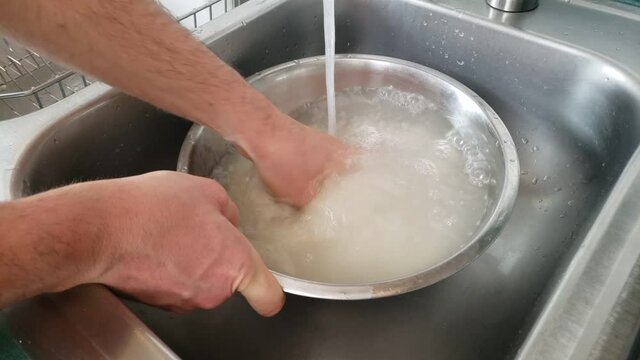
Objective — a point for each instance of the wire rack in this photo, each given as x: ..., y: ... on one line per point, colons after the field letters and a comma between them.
x: 207, y: 12
x: 29, y: 81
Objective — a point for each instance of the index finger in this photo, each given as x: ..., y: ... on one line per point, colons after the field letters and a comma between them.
x: 227, y: 207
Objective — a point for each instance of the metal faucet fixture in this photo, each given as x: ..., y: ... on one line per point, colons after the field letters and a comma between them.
x: 513, y: 5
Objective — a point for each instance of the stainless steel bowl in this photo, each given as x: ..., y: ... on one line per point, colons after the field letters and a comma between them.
x: 293, y: 84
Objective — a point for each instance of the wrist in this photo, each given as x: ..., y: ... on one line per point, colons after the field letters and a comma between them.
x: 68, y: 229
x: 274, y: 137
x: 251, y: 122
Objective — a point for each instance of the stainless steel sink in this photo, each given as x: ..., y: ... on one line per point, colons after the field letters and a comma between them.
x: 565, y: 79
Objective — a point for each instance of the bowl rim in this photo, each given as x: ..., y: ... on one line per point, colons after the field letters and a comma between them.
x: 445, y: 268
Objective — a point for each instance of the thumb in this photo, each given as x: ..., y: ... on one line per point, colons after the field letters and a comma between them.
x: 261, y: 289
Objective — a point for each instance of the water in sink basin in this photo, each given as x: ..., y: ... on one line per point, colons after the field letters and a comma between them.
x: 406, y: 205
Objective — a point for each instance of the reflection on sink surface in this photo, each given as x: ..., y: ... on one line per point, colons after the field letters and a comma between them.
x: 121, y: 137
x: 573, y: 115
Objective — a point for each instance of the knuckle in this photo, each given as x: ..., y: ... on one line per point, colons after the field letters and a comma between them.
x: 246, y: 270
x: 184, y: 295
x: 217, y: 189
x: 162, y: 173
x: 209, y: 302
x: 218, y: 193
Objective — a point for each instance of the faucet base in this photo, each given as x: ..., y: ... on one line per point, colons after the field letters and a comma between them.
x: 513, y: 5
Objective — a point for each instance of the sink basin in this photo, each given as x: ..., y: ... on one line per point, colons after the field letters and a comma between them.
x: 570, y: 101
x: 119, y: 137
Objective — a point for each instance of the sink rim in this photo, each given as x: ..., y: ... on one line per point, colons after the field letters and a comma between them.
x: 256, y: 8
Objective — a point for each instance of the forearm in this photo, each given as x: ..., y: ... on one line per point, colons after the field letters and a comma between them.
x: 135, y: 46
x: 45, y: 246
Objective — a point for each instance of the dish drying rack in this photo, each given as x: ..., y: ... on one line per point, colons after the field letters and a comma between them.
x: 29, y: 81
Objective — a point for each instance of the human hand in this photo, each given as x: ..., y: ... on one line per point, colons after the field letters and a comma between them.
x: 171, y: 241
x: 295, y: 160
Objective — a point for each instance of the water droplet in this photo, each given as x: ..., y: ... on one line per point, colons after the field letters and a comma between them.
x: 604, y: 164
x: 546, y: 178
x: 524, y: 140
x: 424, y: 23
x: 244, y: 23
x: 524, y: 172
x: 446, y: 56
x: 557, y: 189
x: 534, y: 180
x: 460, y: 62
x: 571, y: 202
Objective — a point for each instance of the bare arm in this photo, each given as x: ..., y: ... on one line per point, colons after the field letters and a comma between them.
x: 165, y: 238
x: 135, y: 46
x: 41, y: 252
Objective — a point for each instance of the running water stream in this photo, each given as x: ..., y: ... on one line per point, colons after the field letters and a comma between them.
x: 330, y: 59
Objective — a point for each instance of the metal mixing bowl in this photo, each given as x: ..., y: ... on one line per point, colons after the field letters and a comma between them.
x: 293, y: 84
